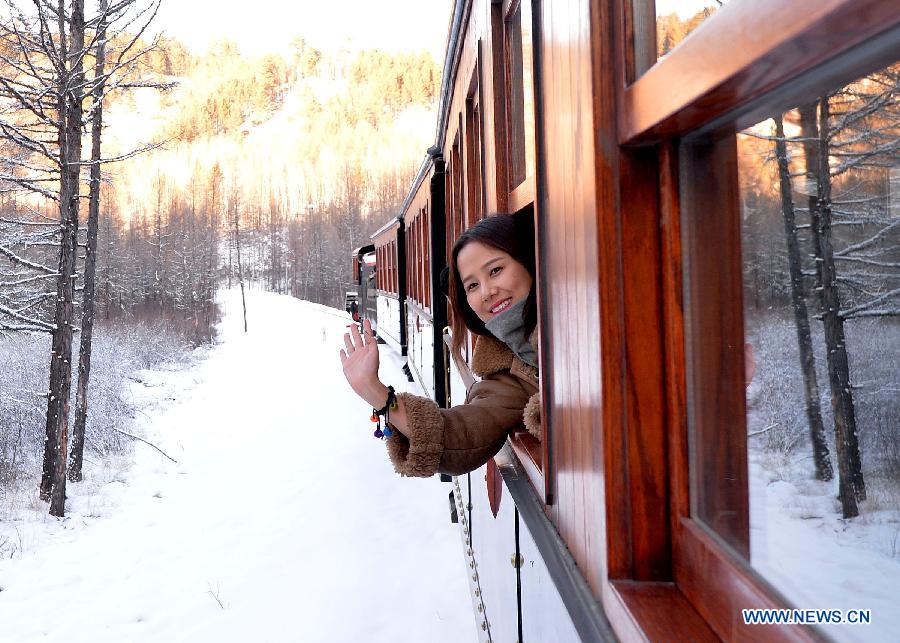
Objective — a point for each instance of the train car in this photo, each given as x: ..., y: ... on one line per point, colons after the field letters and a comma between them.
x: 637, y: 152
x: 426, y: 309
x: 362, y: 294
x: 390, y: 257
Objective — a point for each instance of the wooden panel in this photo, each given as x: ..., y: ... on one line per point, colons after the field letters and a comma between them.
x: 720, y: 587
x: 571, y: 307
x: 528, y: 449
x: 670, y: 211
x: 748, y: 49
x: 646, y: 438
x: 662, y: 610
x: 616, y: 527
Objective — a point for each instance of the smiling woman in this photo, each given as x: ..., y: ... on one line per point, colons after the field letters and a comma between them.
x: 492, y: 295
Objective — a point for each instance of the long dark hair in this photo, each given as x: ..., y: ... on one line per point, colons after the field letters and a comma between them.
x: 514, y: 235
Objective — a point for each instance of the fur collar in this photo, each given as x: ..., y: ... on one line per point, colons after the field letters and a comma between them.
x: 492, y: 356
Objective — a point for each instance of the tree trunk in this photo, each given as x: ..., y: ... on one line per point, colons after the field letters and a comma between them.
x: 53, y: 482
x: 237, y: 244
x: 230, y: 268
x: 851, y: 484
x: 90, y: 261
x: 821, y: 457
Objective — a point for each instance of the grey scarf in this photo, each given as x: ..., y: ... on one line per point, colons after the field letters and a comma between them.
x: 509, y: 328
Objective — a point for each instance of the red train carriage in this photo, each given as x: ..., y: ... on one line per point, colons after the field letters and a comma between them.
x: 360, y: 299
x: 638, y: 154
x: 390, y: 256
x: 426, y: 313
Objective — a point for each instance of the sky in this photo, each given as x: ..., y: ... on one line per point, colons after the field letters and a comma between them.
x: 684, y: 8
x: 272, y: 24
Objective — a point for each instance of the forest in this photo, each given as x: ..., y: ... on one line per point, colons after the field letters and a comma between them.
x: 821, y: 257
x: 137, y: 177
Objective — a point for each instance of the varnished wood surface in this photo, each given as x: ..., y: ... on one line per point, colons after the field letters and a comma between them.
x: 571, y: 309
x: 673, y: 314
x: 615, y: 535
x: 719, y: 586
x: 663, y: 612
x: 748, y: 49
x: 646, y: 439
x: 528, y: 449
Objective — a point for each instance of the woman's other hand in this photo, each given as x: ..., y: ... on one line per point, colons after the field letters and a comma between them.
x: 360, y: 361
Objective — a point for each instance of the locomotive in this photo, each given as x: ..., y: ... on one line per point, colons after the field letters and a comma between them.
x: 630, y: 518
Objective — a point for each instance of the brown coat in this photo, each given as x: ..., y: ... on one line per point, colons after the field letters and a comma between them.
x: 462, y: 438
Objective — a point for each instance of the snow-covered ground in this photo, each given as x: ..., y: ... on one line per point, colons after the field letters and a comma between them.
x: 800, y: 543
x: 281, y: 521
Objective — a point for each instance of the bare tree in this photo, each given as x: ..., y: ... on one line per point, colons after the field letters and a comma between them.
x: 43, y: 87
x: 90, y: 261
x: 235, y: 207
x: 821, y: 456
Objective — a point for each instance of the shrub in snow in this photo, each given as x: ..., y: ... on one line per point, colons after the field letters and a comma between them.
x: 119, y: 352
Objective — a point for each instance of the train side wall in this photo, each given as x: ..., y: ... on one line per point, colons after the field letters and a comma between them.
x: 567, y: 218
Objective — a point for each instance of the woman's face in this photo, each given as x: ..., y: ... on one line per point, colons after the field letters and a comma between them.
x: 492, y: 280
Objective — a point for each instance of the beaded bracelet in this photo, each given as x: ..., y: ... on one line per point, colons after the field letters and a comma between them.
x: 390, y: 405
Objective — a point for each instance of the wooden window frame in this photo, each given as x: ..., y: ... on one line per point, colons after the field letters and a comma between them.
x: 672, y: 561
x: 426, y: 214
x: 523, y: 194
x: 474, y: 140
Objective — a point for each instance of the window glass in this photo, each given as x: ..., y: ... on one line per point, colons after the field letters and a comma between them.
x: 820, y: 239
x: 520, y: 93
x: 675, y: 19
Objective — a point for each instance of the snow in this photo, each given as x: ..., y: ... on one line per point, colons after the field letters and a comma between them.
x: 818, y: 560
x: 281, y: 521
x: 799, y: 541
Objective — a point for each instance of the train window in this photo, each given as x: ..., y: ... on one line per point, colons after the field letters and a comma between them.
x: 423, y: 252
x: 410, y: 264
x: 675, y: 19
x: 427, y: 242
x: 394, y: 262
x: 414, y: 259
x: 456, y: 220
x: 474, y: 143
x: 519, y: 73
x: 658, y: 26
x: 800, y: 471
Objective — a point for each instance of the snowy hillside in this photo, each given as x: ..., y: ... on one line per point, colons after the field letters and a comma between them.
x: 281, y: 521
